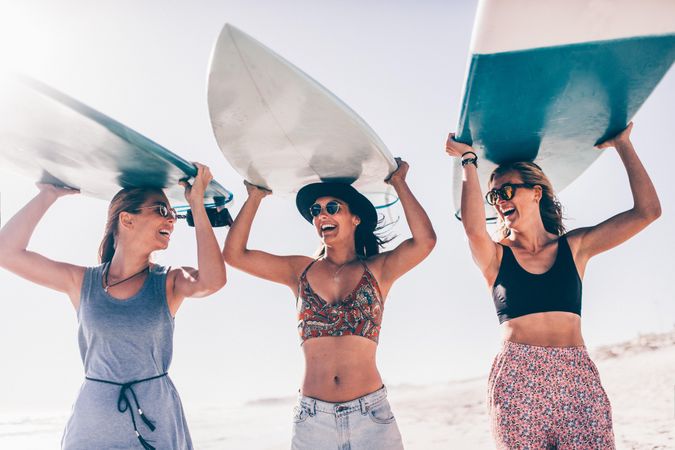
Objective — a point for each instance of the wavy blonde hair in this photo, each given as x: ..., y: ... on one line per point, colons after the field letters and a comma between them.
x: 549, y: 206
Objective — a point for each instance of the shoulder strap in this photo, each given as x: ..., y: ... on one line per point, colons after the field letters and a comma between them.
x: 90, y: 277
x: 159, y: 274
x: 304, y: 272
x: 564, y: 248
x: 506, y: 250
x: 303, y: 276
x: 509, y: 262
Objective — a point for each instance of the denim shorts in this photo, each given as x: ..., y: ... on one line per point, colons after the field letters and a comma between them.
x: 366, y: 423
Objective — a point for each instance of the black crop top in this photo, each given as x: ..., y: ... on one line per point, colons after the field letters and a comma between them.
x: 517, y: 292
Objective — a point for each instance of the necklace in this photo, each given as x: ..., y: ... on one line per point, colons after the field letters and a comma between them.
x: 107, y: 286
x: 339, y: 269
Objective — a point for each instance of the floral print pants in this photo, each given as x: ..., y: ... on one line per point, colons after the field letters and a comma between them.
x: 548, y: 398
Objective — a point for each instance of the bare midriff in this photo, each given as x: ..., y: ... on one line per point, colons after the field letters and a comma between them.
x: 340, y: 369
x: 546, y: 329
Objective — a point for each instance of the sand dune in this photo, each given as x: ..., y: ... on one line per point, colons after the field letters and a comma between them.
x: 639, y: 377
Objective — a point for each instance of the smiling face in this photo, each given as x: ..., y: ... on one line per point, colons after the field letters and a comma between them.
x: 522, y: 210
x: 338, y: 227
x: 145, y: 227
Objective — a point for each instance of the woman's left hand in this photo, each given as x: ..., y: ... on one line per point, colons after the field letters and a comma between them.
x: 195, y: 192
x: 622, y: 138
x: 400, y: 173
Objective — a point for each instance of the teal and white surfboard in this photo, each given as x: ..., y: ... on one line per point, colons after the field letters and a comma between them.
x: 53, y: 138
x: 548, y: 80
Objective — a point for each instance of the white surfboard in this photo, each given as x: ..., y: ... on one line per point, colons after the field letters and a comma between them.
x: 281, y: 129
x: 548, y: 80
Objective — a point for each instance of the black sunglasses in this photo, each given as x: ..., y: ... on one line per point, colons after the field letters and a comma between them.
x: 163, y: 211
x: 219, y: 217
x: 506, y: 192
x: 332, y: 208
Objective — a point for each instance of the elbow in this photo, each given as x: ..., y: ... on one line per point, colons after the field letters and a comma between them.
x: 214, y: 286
x: 229, y: 255
x: 652, y: 212
x: 428, y: 243
x: 656, y: 211
x: 233, y: 257
x: 655, y: 214
x: 215, y: 281
x: 221, y: 281
x: 431, y: 241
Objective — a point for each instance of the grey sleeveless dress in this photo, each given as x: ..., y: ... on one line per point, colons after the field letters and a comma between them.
x: 123, y: 341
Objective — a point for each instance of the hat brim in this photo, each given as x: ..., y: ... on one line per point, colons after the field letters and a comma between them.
x: 358, y: 203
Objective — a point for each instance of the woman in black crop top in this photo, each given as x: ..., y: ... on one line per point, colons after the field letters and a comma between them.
x: 543, y: 388
x: 340, y: 298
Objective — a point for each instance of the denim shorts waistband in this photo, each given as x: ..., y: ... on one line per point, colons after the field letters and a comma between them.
x: 361, y: 404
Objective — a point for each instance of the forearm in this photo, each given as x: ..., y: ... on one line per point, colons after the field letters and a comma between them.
x: 212, y: 275
x: 472, y: 208
x: 645, y: 199
x: 417, y: 218
x: 237, y: 238
x: 16, y: 234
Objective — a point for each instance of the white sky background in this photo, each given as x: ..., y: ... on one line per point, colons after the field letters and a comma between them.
x: 401, y: 68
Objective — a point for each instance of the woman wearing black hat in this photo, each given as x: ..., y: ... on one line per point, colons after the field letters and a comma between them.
x: 340, y: 300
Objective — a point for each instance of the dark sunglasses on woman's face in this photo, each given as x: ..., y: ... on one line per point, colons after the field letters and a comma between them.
x: 332, y: 208
x: 218, y: 217
x: 506, y: 192
x: 164, y: 211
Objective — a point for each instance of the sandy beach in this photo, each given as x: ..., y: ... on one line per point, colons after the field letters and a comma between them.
x: 638, y: 375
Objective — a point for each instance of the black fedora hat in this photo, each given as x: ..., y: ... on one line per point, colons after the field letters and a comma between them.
x: 358, y: 203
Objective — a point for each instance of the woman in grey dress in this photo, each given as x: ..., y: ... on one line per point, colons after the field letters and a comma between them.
x: 125, y: 308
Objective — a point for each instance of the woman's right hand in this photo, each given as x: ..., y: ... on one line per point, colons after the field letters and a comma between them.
x: 55, y: 191
x: 256, y: 191
x: 456, y: 148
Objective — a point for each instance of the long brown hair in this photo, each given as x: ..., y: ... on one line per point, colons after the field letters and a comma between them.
x: 129, y: 200
x: 549, y: 206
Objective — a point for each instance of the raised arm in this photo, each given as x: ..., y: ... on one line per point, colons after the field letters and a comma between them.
x: 15, y: 237
x: 279, y: 269
x: 483, y: 248
x: 210, y: 275
x: 414, y: 249
x: 588, y: 242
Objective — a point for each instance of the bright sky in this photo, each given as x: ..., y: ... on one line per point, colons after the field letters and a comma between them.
x: 401, y: 68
